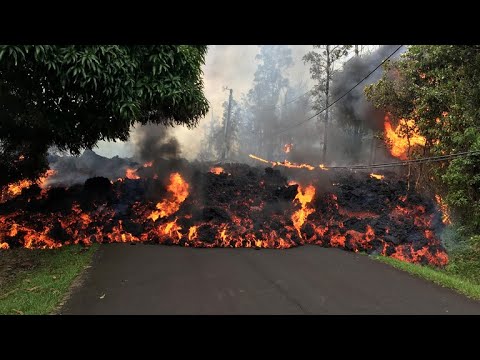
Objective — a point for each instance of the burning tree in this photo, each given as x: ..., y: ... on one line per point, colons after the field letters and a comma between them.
x: 436, y: 89
x: 73, y: 96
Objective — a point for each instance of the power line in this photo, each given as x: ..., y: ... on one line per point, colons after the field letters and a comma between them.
x: 382, y: 165
x: 406, y: 162
x: 341, y: 97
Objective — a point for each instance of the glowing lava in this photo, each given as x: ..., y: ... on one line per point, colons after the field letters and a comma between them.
x: 16, y: 188
x: 216, y: 170
x: 131, y: 174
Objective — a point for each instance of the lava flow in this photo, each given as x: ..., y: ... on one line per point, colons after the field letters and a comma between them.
x: 239, y: 206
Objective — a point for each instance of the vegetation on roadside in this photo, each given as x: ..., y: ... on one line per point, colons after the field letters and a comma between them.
x: 46, y: 278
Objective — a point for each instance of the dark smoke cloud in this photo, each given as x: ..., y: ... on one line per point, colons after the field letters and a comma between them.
x: 354, y: 108
x: 153, y: 142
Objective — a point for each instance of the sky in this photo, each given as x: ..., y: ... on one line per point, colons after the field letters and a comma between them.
x: 231, y: 66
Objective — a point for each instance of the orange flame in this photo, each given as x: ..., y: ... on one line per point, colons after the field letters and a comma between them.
x: 287, y: 148
x: 399, y: 143
x: 131, y: 174
x: 216, y: 170
x: 42, y: 181
x: 259, y: 159
x: 192, y: 233
x: 178, y: 189
x: 444, y: 208
x: 16, y: 188
x: 286, y: 163
x: 304, y: 197
x: 148, y: 164
x: 377, y: 176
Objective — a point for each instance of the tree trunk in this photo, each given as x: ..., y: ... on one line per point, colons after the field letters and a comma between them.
x: 327, y: 91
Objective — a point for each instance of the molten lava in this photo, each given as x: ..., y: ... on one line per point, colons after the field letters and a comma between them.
x: 131, y: 174
x: 249, y: 208
x: 400, y: 144
x: 216, y: 170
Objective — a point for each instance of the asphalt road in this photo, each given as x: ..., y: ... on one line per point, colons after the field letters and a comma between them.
x: 152, y: 279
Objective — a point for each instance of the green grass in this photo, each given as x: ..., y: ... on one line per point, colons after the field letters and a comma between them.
x: 41, y: 289
x: 455, y: 276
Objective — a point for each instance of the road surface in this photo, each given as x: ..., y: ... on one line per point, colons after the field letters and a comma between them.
x: 155, y: 279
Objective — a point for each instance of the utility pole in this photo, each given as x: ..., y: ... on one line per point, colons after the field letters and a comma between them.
x: 225, y: 143
x: 356, y: 50
x: 327, y: 94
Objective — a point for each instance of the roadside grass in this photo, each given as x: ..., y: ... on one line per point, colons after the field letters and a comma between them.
x: 40, y: 286
x: 462, y: 273
x: 439, y: 276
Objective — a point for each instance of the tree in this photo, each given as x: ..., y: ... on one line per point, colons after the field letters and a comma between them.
x: 322, y: 69
x: 268, y: 84
x: 438, y: 87
x: 70, y: 97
